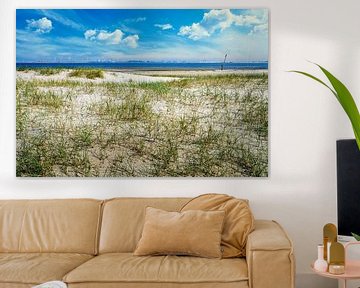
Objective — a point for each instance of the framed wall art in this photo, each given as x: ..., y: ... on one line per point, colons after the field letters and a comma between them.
x: 142, y: 93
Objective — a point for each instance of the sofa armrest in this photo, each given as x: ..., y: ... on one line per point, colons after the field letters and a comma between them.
x: 269, y: 256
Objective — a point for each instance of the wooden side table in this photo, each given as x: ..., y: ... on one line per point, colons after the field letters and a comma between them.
x: 352, y: 268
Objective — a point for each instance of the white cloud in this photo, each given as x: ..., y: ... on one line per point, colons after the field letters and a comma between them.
x: 90, y: 34
x: 131, y: 41
x: 194, y: 32
x: 42, y: 25
x: 164, y: 26
x: 219, y: 20
x: 115, y: 37
x: 139, y: 19
x: 223, y: 19
x: 261, y: 14
x: 262, y: 28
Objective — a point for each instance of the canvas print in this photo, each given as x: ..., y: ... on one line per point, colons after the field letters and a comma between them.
x: 142, y: 93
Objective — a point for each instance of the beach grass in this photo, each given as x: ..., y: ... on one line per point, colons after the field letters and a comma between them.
x: 49, y: 71
x: 87, y: 73
x: 46, y: 71
x: 214, y: 125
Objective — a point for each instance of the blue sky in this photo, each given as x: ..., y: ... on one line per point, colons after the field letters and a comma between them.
x: 148, y: 35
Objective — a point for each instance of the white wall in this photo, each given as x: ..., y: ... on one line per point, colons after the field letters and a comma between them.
x: 305, y: 120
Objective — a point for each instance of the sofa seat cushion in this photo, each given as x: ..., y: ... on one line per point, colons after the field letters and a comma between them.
x: 36, y: 268
x: 127, y: 268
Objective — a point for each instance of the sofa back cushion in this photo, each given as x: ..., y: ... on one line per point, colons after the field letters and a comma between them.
x: 123, y: 220
x: 238, y: 224
x: 66, y: 226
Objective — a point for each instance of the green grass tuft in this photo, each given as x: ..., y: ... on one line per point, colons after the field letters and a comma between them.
x: 49, y: 71
x: 87, y: 73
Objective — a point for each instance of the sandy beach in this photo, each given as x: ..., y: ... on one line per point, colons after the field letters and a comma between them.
x: 121, y: 76
x: 142, y: 123
x: 109, y: 76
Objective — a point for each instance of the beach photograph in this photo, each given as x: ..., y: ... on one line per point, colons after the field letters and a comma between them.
x: 142, y: 93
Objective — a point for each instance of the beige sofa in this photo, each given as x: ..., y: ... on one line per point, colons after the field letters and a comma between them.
x: 89, y: 243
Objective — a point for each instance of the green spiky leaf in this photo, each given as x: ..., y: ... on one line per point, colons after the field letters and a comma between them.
x: 344, y: 97
x: 356, y: 236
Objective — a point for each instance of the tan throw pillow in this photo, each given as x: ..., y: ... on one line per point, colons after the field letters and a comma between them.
x: 196, y: 233
x: 239, y: 220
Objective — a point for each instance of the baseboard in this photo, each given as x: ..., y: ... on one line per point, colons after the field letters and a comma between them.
x: 310, y: 280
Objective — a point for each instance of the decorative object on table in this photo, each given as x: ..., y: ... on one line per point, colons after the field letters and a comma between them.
x: 174, y: 92
x: 336, y: 269
x: 320, y: 264
x: 337, y: 258
x: 344, y: 97
x: 52, y: 284
x: 333, y: 252
x: 344, y: 273
x: 329, y: 236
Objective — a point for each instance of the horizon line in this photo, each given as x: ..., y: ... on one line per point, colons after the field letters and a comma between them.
x: 136, y: 61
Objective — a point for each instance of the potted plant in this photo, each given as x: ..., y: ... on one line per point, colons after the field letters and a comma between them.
x: 346, y: 100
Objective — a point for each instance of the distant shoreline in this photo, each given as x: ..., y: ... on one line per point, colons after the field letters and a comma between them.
x: 148, y: 66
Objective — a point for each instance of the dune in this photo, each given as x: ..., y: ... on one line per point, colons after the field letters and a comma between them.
x: 109, y: 76
x: 142, y: 123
